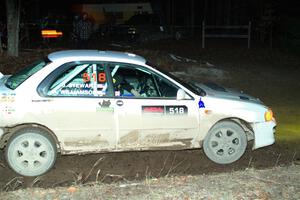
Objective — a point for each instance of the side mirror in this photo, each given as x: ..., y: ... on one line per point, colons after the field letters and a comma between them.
x: 180, y: 94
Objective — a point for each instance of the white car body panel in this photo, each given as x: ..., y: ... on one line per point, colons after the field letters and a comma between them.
x: 136, y: 129
x: 94, y: 128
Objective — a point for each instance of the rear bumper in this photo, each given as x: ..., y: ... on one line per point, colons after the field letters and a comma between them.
x: 264, y: 134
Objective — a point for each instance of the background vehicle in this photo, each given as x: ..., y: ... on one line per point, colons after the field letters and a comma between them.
x: 144, y: 27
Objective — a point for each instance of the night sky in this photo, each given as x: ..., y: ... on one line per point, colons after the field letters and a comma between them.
x: 33, y: 9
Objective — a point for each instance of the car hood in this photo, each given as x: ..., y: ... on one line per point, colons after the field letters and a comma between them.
x: 215, y: 90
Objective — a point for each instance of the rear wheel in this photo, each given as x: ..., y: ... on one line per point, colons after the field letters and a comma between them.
x: 31, y: 152
x: 225, y: 143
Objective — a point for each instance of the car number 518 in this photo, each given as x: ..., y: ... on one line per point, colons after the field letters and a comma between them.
x: 176, y: 110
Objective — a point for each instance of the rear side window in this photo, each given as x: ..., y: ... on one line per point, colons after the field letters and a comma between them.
x: 85, y: 79
x: 17, y: 79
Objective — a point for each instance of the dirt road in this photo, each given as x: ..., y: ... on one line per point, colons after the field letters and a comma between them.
x: 139, y: 165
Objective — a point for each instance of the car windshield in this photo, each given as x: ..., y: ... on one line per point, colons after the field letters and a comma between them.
x: 17, y: 79
x: 189, y: 85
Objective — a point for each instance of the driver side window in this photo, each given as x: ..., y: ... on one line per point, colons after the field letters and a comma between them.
x: 166, y: 88
x: 137, y: 82
x: 129, y: 81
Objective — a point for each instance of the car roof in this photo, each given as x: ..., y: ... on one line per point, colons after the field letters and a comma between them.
x: 77, y: 55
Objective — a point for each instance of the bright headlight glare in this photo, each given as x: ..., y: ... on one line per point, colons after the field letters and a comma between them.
x: 269, y: 115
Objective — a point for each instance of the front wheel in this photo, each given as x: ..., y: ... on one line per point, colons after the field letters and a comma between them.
x: 225, y: 143
x: 31, y: 152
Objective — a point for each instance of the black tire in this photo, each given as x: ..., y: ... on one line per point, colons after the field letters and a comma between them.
x: 31, y: 152
x: 225, y: 143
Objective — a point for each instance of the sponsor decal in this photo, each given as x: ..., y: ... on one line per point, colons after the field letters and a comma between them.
x: 153, y: 109
x: 104, y: 106
x: 7, y: 97
x: 104, y: 103
x: 108, y: 109
x: 41, y: 100
x: 201, y: 104
x: 117, y: 93
x: 8, y: 110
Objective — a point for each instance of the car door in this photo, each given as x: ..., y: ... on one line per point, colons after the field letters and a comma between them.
x: 153, y: 118
x: 79, y: 107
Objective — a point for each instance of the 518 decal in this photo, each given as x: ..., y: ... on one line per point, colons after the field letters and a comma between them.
x: 176, y: 110
x: 93, y: 77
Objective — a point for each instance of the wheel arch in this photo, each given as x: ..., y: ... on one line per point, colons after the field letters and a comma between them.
x: 244, y: 124
x: 10, y: 131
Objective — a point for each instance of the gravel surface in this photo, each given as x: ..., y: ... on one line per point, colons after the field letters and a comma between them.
x: 274, y: 183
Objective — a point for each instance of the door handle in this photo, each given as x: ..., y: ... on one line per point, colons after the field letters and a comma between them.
x: 120, y: 103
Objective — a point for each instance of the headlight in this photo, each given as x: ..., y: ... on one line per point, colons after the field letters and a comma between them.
x: 269, y: 115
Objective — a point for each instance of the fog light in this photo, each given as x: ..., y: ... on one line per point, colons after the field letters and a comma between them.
x: 269, y: 115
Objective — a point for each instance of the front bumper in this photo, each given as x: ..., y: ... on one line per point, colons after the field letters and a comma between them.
x: 264, y: 134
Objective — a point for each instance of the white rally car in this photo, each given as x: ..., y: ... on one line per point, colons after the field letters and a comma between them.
x: 87, y: 101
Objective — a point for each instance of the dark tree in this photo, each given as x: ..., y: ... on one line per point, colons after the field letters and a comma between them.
x: 13, y: 21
